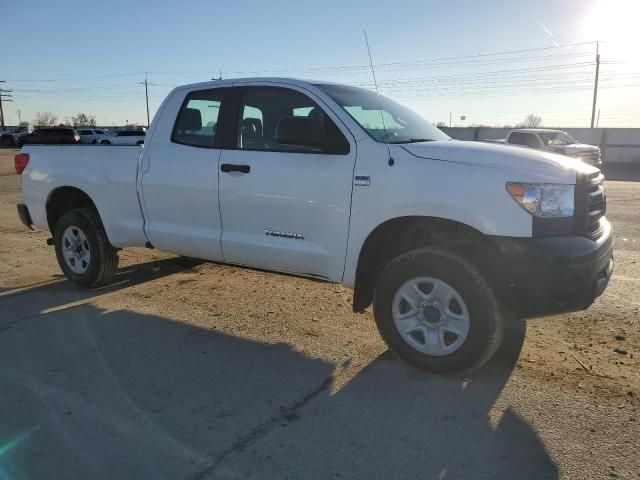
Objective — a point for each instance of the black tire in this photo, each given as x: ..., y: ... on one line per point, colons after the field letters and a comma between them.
x: 103, y: 261
x: 105, y: 142
x: 486, y: 321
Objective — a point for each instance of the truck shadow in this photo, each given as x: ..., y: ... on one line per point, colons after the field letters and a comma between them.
x: 59, y: 292
x: 87, y: 393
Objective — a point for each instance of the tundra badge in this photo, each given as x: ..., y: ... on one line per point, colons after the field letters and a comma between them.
x: 274, y: 233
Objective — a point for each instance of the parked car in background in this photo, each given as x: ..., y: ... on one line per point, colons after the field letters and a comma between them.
x: 9, y: 138
x: 50, y: 136
x: 94, y: 136
x: 128, y: 137
x: 555, y: 141
x: 451, y: 241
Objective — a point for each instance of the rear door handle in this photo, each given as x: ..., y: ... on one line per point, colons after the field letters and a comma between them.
x: 230, y: 167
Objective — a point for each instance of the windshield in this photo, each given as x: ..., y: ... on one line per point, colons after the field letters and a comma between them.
x: 556, y: 138
x: 393, y: 123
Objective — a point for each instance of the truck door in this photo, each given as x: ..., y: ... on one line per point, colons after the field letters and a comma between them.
x: 285, y: 190
x: 180, y: 175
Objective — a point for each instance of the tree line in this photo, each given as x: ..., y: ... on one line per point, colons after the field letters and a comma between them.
x: 530, y: 121
x: 48, y: 119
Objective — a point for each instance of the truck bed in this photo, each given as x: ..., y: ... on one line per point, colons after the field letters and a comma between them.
x: 106, y: 173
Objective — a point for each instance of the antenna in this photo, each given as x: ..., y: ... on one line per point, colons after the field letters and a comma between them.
x: 375, y: 82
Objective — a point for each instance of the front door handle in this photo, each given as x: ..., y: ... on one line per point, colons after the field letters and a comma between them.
x: 230, y: 167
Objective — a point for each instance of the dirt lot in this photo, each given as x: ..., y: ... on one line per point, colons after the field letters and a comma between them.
x: 195, y: 370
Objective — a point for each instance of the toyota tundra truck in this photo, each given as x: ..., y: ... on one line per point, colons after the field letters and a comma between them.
x: 449, y: 240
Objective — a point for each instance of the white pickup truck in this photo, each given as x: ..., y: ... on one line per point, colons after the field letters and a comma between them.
x: 449, y: 240
x: 555, y: 141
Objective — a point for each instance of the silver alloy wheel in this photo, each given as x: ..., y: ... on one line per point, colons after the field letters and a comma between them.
x: 431, y: 316
x: 75, y: 249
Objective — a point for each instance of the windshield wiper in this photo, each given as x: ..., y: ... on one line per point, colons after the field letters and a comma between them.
x: 414, y: 140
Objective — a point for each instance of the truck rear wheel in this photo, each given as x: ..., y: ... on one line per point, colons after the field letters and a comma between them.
x: 437, y: 312
x: 83, y: 250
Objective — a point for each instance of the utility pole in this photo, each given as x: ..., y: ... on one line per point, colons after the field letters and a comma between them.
x: 146, y: 94
x: 19, y: 117
x: 6, y: 98
x: 449, y: 119
x: 595, y: 86
x: 1, y: 112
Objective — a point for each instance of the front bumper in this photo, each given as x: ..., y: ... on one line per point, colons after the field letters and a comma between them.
x: 25, y: 216
x: 549, y: 275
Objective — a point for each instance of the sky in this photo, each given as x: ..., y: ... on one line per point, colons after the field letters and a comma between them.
x: 491, y: 62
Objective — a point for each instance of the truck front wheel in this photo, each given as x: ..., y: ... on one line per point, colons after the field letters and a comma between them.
x: 83, y: 250
x: 437, y: 312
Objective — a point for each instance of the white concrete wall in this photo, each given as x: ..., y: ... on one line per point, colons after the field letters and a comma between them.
x: 619, y: 145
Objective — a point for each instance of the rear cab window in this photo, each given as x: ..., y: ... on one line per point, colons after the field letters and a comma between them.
x: 197, y: 121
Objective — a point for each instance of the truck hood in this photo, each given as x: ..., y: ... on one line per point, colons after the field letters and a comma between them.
x: 555, y: 167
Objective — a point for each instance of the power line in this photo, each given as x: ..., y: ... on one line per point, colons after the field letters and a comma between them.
x: 310, y: 69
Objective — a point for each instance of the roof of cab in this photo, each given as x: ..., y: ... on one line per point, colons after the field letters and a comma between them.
x: 536, y: 130
x: 230, y: 81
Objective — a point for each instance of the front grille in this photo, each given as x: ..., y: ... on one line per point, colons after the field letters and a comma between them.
x: 591, y: 204
x: 592, y: 158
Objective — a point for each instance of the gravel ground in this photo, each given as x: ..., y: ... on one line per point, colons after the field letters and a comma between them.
x: 196, y: 370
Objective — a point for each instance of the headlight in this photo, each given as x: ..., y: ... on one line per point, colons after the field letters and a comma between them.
x: 544, y: 199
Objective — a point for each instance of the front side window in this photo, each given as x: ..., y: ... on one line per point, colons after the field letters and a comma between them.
x: 284, y: 120
x: 382, y: 118
x: 557, y: 138
x: 198, y: 118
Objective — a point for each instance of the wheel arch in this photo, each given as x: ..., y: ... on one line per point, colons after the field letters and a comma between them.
x: 402, y: 234
x: 65, y: 198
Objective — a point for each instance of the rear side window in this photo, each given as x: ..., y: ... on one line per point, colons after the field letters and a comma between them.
x: 197, y: 121
x: 528, y: 139
x: 532, y: 141
x: 518, y: 138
